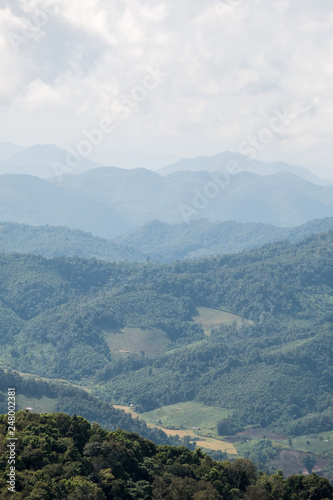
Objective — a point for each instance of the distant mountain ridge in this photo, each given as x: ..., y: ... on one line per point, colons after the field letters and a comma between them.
x: 48, y: 160
x: 109, y: 201
x: 44, y: 161
x: 142, y: 195
x: 135, y: 159
x: 8, y: 150
x: 227, y: 161
x: 31, y: 200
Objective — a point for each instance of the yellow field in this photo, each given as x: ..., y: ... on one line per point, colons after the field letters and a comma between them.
x: 202, y: 441
x: 216, y: 444
x: 128, y: 409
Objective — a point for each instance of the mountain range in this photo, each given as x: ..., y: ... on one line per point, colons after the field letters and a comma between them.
x: 31, y: 200
x: 257, y: 324
x: 237, y: 162
x: 155, y: 241
x: 41, y: 161
x: 109, y: 201
x: 48, y: 160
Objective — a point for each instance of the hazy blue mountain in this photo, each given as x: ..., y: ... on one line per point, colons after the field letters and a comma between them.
x: 136, y: 159
x: 110, y: 201
x: 142, y: 195
x: 7, y: 150
x: 281, y: 199
x: 220, y: 162
x: 30, y: 200
x: 53, y: 241
x: 139, y: 194
x: 164, y: 242
x: 44, y: 161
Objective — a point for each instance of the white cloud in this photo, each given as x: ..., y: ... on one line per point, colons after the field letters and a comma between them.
x: 226, y: 68
x: 12, y: 71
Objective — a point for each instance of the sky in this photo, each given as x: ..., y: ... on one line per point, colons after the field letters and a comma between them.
x: 184, y: 78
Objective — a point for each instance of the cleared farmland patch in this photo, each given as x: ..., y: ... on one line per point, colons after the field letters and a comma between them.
x: 150, y: 341
x: 191, y: 415
x: 38, y: 405
x: 211, y: 318
x: 197, y: 435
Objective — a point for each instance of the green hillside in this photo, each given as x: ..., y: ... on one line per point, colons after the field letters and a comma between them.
x: 53, y: 241
x: 158, y: 241
x: 44, y: 396
x: 59, y: 457
x: 202, y: 238
x: 69, y: 318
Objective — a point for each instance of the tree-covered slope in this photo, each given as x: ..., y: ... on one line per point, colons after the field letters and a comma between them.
x: 157, y: 241
x: 59, y: 457
x: 67, y: 318
x: 164, y: 242
x: 64, y: 397
x: 53, y: 241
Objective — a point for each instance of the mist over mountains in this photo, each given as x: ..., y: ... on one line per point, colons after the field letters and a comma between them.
x: 238, y: 162
x: 41, y: 161
x: 126, y: 279
x: 49, y: 160
x: 35, y: 201
x: 109, y: 201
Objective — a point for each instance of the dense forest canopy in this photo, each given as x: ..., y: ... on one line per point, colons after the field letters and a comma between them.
x: 59, y: 457
x: 272, y: 368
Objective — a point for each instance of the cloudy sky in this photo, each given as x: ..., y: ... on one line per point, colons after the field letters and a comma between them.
x: 185, y: 77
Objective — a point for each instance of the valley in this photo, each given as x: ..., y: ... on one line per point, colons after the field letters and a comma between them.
x: 237, y: 342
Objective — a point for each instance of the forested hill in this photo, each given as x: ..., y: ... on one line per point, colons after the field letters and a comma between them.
x: 158, y: 241
x: 59, y: 457
x: 54, y: 241
x: 133, y: 331
x: 55, y: 396
x: 164, y: 242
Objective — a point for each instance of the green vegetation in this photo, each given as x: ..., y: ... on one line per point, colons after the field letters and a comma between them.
x: 202, y: 238
x: 150, y: 341
x: 159, y: 241
x: 309, y: 461
x: 260, y: 451
x: 187, y: 415
x: 313, y: 444
x: 64, y: 314
x: 68, y: 318
x: 43, y: 396
x: 210, y: 318
x: 52, y: 241
x: 59, y: 457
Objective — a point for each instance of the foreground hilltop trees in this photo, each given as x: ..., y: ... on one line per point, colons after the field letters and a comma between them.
x: 62, y: 457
